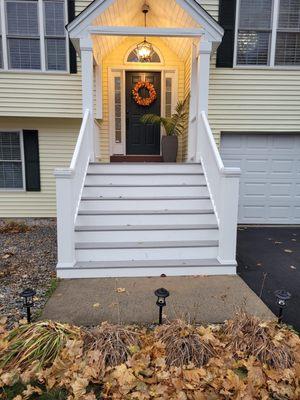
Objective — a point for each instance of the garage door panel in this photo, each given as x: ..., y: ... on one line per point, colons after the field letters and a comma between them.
x: 251, y: 189
x: 270, y: 180
x: 280, y: 189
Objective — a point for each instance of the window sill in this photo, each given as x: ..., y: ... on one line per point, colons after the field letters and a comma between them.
x: 268, y: 67
x: 34, y: 71
x: 11, y: 190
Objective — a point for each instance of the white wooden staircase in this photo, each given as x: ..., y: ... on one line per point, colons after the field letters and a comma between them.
x: 143, y: 219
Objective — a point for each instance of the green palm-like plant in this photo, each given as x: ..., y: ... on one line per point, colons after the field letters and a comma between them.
x: 174, y: 125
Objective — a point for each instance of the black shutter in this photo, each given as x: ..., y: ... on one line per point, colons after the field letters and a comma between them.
x: 72, y: 51
x: 32, y: 160
x: 227, y: 12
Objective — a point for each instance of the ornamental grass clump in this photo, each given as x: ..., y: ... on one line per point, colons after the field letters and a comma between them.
x: 184, y: 345
x: 248, y: 336
x: 114, y: 343
x: 39, y: 343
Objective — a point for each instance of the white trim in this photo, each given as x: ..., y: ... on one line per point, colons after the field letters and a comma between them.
x: 99, y: 91
x: 41, y: 16
x: 275, y: 15
x: 156, y: 49
x: 141, y: 31
x: 212, y: 29
x: 272, y: 44
x: 41, y: 37
x: 3, y: 36
x: 117, y: 148
x: 22, y: 160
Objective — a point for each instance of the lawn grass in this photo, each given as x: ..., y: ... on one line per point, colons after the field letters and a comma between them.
x: 9, y: 393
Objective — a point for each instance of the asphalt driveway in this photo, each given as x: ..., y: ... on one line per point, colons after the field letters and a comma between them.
x: 269, y: 259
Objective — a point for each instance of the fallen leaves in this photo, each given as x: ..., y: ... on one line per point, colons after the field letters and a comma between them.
x: 96, y: 305
x: 144, y: 373
x: 120, y: 290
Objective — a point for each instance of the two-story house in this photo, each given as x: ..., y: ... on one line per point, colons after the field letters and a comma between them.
x: 68, y: 71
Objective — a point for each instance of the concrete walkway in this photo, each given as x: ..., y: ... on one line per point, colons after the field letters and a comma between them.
x: 131, y: 300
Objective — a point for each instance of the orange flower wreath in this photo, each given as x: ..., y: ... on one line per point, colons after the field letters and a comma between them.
x: 144, y: 101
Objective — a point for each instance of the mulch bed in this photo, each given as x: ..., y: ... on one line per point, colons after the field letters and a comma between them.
x: 27, y: 259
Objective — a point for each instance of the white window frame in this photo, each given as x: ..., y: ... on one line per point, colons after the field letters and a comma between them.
x: 22, y: 189
x: 272, y: 48
x: 42, y: 34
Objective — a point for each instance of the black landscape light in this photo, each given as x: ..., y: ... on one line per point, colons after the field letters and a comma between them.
x: 28, y: 301
x: 161, y: 295
x: 282, y: 298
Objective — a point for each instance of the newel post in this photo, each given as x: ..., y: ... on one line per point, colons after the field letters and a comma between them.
x: 205, y: 48
x: 228, y: 215
x: 87, y: 71
x: 65, y: 217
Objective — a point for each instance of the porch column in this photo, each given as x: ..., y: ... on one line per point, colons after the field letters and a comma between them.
x: 204, y: 55
x: 87, y: 72
x: 192, y: 132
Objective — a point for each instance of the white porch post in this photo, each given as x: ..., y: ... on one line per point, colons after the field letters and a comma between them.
x: 228, y: 215
x: 203, y: 64
x: 192, y: 132
x: 87, y: 71
x: 65, y: 217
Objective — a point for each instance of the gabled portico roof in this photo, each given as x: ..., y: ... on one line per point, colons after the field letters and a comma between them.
x: 213, y: 31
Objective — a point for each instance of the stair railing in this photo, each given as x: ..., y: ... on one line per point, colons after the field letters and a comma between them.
x: 69, y: 186
x: 223, y: 186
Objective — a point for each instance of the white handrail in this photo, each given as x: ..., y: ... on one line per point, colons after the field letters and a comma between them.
x: 223, y: 186
x: 79, y: 140
x: 69, y: 187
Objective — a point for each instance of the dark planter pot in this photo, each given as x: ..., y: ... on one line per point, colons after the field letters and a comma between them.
x: 169, y: 145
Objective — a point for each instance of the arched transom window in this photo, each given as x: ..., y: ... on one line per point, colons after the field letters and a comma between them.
x: 133, y: 57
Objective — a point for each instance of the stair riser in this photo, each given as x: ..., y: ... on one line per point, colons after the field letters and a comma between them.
x: 145, y: 180
x: 131, y: 205
x: 144, y: 236
x: 152, y: 219
x: 146, y: 254
x: 142, y: 272
x: 144, y: 191
x: 125, y: 168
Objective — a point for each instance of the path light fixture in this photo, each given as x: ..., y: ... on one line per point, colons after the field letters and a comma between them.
x: 161, y: 295
x: 282, y: 298
x: 28, y: 301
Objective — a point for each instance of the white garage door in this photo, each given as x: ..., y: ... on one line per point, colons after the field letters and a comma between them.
x: 270, y: 181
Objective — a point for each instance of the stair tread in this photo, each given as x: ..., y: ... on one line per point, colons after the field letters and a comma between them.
x: 146, y: 245
x: 92, y: 198
x: 148, y: 263
x: 143, y: 185
x: 84, y: 228
x: 126, y: 173
x: 144, y: 212
x: 146, y: 163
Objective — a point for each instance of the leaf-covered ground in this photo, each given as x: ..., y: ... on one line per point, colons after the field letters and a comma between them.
x: 242, y: 359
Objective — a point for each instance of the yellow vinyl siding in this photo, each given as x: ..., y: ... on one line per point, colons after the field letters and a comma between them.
x: 57, y: 139
x: 116, y: 60
x: 252, y: 99
x: 37, y: 94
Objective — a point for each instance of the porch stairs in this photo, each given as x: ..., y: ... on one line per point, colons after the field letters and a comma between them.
x: 146, y: 219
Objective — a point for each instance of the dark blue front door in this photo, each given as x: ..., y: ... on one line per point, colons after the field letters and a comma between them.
x: 142, y: 139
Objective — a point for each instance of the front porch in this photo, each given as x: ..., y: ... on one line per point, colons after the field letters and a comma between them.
x: 145, y: 219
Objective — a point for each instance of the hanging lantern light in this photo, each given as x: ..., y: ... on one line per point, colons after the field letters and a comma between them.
x: 144, y: 50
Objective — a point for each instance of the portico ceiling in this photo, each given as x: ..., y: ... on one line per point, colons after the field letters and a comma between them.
x: 163, y: 13
x: 181, y: 15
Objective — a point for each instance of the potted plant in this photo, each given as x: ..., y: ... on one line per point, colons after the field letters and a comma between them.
x: 174, y: 126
